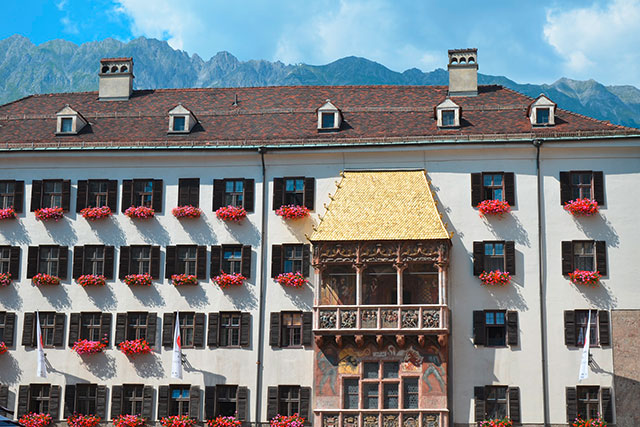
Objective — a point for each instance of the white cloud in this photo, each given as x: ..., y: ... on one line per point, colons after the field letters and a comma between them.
x: 598, y: 42
x: 60, y: 4
x: 69, y: 26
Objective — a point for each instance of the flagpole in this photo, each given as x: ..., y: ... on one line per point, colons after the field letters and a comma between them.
x: 176, y: 362
x: 41, y: 370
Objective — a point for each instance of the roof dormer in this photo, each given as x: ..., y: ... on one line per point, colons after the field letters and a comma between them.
x: 329, y: 117
x: 448, y: 114
x: 181, y: 120
x: 542, y: 112
x: 69, y: 121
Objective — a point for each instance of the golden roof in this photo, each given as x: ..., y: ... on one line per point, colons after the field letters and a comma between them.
x: 381, y: 205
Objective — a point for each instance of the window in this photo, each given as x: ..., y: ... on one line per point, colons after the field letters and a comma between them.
x: 97, y: 193
x: 3, y: 325
x: 51, y: 193
x: 94, y: 259
x: 137, y: 326
x: 381, y: 387
x: 582, y: 185
x: 582, y: 317
x: 66, y: 125
x: 230, y: 329
x: 328, y: 120
x: 589, y: 401
x: 187, y: 258
x: 47, y: 328
x: 542, y: 116
x: 288, y: 400
x: 380, y: 285
x: 5, y: 259
x: 420, y: 284
x: 189, y: 192
x: 292, y: 260
x: 541, y: 112
x: 293, y: 191
x: 187, y: 329
x: 411, y: 393
x: 226, y: 400
x: 497, y: 401
x: 192, y: 328
x: 291, y: 329
x: 39, y: 398
x: 86, y: 398
x: 233, y: 192
x: 329, y: 117
x: 351, y: 395
x: 179, y: 400
x: 132, y: 399
x: 575, y: 328
x: 495, y: 328
x: 494, y: 255
x: 181, y: 120
x: 493, y: 186
x: 140, y: 260
x: 338, y: 285
x: 232, y: 259
x: 143, y: 193
x: 178, y: 123
x: 90, y: 325
x: 7, y: 192
x: 447, y: 114
x: 48, y: 262
x: 586, y: 255
x: 448, y: 118
x: 51, y: 326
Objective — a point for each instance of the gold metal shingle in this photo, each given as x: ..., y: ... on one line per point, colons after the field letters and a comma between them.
x: 381, y: 205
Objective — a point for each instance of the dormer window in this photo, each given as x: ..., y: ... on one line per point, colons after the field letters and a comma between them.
x: 328, y: 120
x: 542, y: 112
x: 181, y: 120
x: 329, y: 117
x: 178, y: 123
x: 542, y: 116
x: 448, y: 114
x: 67, y: 125
x: 69, y: 121
x: 448, y: 118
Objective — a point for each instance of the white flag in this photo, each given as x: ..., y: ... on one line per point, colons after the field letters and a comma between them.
x: 584, y: 363
x: 42, y: 367
x: 176, y: 364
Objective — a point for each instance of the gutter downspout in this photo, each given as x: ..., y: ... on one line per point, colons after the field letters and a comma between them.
x: 261, y: 319
x: 541, y: 271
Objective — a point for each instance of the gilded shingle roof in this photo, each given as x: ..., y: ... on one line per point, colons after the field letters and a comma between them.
x: 381, y: 205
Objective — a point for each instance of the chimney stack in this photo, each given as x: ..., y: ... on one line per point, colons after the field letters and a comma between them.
x: 116, y: 79
x: 463, y: 72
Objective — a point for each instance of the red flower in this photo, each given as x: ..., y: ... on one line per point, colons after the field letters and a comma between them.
x: 8, y: 213
x: 140, y: 212
x: 3, y: 347
x: 138, y: 279
x: 184, y: 279
x: 225, y: 280
x: 5, y: 279
x: 493, y: 207
x: 504, y: 422
x: 224, y: 422
x: 186, y: 212
x: 89, y: 347
x: 587, y: 278
x: 495, y: 278
x: 292, y: 211
x: 91, y: 280
x: 294, y: 420
x: 42, y: 279
x: 93, y: 214
x: 133, y: 347
x: 80, y: 420
x: 292, y: 280
x: 231, y: 213
x: 33, y: 419
x: 177, y: 421
x: 582, y: 207
x: 591, y: 422
x: 129, y: 421
x: 45, y: 214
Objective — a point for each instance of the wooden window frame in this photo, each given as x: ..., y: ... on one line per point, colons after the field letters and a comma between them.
x: 220, y: 192
x: 17, y: 195
x: 288, y: 332
x: 227, y: 328
x: 480, y: 331
x: 596, y: 186
x: 572, y: 329
x: 226, y: 265
x: 90, y: 399
x: 294, y: 259
x: 40, y: 393
x: 285, y: 399
x: 512, y: 402
x: 275, y: 329
x: 48, y: 195
x: 138, y: 259
x: 131, y: 400
x: 198, y: 327
x: 599, y: 256
x: 123, y: 330
x: 181, y: 402
x: 280, y: 193
x: 479, y: 190
x: 133, y: 329
x: 189, y: 192
x: 509, y: 256
x: 220, y: 399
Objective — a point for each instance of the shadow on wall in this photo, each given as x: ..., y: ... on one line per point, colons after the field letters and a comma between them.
x: 301, y: 297
x: 10, y: 372
x: 600, y: 296
x: 627, y: 401
x: 152, y: 232
x: 508, y: 227
x: 149, y: 366
x: 10, y: 298
x: 199, y: 230
x: 510, y: 297
x: 102, y: 296
x: 15, y: 232
x: 244, y: 232
x: 62, y: 232
x: 56, y: 295
x: 243, y: 297
x: 209, y: 377
x: 598, y: 227
x: 196, y: 296
x: 301, y: 228
x: 101, y: 365
x: 147, y: 295
x: 109, y: 231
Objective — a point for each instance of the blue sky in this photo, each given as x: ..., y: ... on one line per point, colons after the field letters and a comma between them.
x: 525, y: 40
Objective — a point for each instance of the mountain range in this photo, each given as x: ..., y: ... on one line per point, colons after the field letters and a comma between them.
x: 62, y: 66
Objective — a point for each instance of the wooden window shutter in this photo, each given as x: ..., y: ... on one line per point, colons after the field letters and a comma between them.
x: 216, y: 260
x: 210, y: 402
x: 66, y: 195
x: 63, y: 261
x: 246, y: 261
x: 74, y: 328
x: 101, y: 401
x: 171, y: 256
x: 512, y: 327
x: 198, y: 333
x: 307, y: 327
x: 69, y: 400
x: 121, y: 328
x: 306, y: 260
x: 9, y: 329
x: 163, y: 401
x: 479, y: 334
x: 212, y: 334
x: 152, y: 326
x: 194, y: 402
x: 105, y: 326
x: 168, y: 323
x: 601, y: 257
x: 54, y: 402
x: 242, y: 400
x: 184, y: 191
x: 476, y: 189
x: 18, y: 196
x: 510, y: 188
x: 155, y: 262
x: 28, y: 329
x: 14, y: 262
x: 479, y: 403
x: 510, y: 257
x: 276, y: 260
x: 565, y: 187
x: 112, y: 195
x: 116, y: 401
x: 58, y: 330
x: 245, y: 329
x: 81, y: 199
x: 309, y: 192
x: 127, y: 194
x: 514, y: 404
x: 274, y: 330
x: 607, y: 404
x: 32, y: 261
x: 4, y: 395
x: 218, y: 194
x: 125, y: 258
x: 78, y: 261
x: 572, y: 404
x: 194, y: 192
x: 36, y: 195
x: 109, y: 255
x: 272, y: 402
x: 305, y: 402
x: 86, y: 264
x: 567, y: 258
x: 598, y: 187
x: 156, y: 198
x: 278, y: 194
x: 249, y: 195
x: 201, y: 262
x: 23, y: 400
x: 603, y: 328
x: 478, y: 258
x: 147, y: 402
x: 570, y: 328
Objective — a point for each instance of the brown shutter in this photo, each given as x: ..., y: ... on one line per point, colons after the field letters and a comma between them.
x: 58, y: 330
x: 476, y: 189
x: 23, y: 400
x: 307, y: 327
x: 194, y: 192
x: 212, y: 335
x: 479, y: 333
x: 479, y: 405
x: 249, y: 195
x: 509, y: 188
x: 272, y: 402
x: 63, y: 261
x: 81, y: 199
x: 572, y: 404
x: 183, y: 191
x: 514, y: 404
x: 109, y: 255
x: 309, y: 192
x: 32, y: 261
x: 163, y: 401
x: 9, y: 329
x: 147, y: 402
x: 14, y: 262
x: 112, y: 195
x: 127, y: 195
x: 478, y: 258
x: 607, y: 404
x: 305, y: 402
x: 598, y: 187
x: 74, y: 328
x: 274, y: 330
x: 194, y: 402
x: 54, y: 402
x: 116, y: 401
x: 36, y: 195
x: 512, y: 327
x: 125, y: 252
x: 201, y: 262
x: 156, y: 198
x: 210, y: 402
x: 218, y: 194
x: 66, y: 195
x: 567, y: 258
x: 121, y: 328
x: 86, y: 263
x: 69, y: 400
x: 245, y: 329
x: 168, y: 323
x: 171, y: 256
x: 246, y: 261
x: 78, y: 261
x: 105, y: 327
x: 216, y: 260
x: 152, y: 326
x: 198, y: 332
x: 603, y: 328
x: 28, y: 330
x: 4, y: 395
x: 601, y: 257
x: 242, y: 397
x: 510, y: 257
x: 276, y: 260
x: 306, y: 260
x: 570, y: 328
x: 18, y: 196
x: 155, y: 262
x: 278, y: 192
x: 565, y: 187
x: 101, y: 401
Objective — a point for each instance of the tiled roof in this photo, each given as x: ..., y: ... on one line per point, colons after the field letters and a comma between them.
x: 381, y: 205
x: 283, y: 115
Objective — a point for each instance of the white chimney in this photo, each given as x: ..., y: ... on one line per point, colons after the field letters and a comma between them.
x: 463, y: 72
x: 116, y: 79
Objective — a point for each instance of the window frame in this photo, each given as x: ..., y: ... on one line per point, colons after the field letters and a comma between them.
x: 181, y: 401
x: 233, y: 194
x: 184, y: 261
x: 233, y: 261
x: 220, y: 399
x: 92, y: 195
x: 497, y: 402
x: 488, y: 258
x: 580, y: 327
x: 588, y: 402
x: 187, y: 331
x: 43, y: 397
x: 294, y: 259
x: 491, y: 188
x: 88, y: 326
x: 6, y: 195
x: 90, y: 399
x: 288, y: 332
x: 95, y: 260
x: 138, y: 196
x: 448, y: 113
x: 548, y: 116
x: 295, y: 192
x: 133, y: 331
x: 226, y: 331
x: 495, y: 326
x: 132, y: 402
x: 285, y: 399
x: 51, y: 194
x: 138, y: 261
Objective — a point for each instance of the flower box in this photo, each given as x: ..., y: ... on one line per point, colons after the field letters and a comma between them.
x: 34, y: 419
x: 495, y: 278
x: 93, y: 214
x: 224, y: 422
x: 184, y: 280
x: 5, y: 279
x: 46, y: 214
x: 133, y: 347
x: 80, y: 420
x: 229, y: 280
x: 294, y: 420
x: 186, y: 212
x: 292, y: 280
x: 42, y: 279
x: 8, y: 213
x: 139, y: 212
x: 177, y: 421
x: 591, y: 422
x: 582, y: 207
x: 231, y: 213
x: 504, y: 422
x: 89, y: 347
x: 493, y: 208
x: 292, y: 211
x: 3, y: 347
x: 138, y: 279
x: 129, y: 421
x: 586, y: 278
x: 91, y: 280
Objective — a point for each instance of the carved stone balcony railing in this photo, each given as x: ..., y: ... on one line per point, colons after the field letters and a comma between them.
x: 382, y: 418
x: 380, y: 319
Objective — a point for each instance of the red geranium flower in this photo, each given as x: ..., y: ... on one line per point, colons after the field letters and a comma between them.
x: 8, y: 213
x: 294, y: 420
x: 587, y: 278
x: 224, y: 422
x: 504, y: 422
x: 184, y: 279
x: 3, y: 347
x: 42, y: 279
x: 493, y: 207
x: 186, y: 212
x: 292, y: 280
x: 133, y: 347
x: 93, y: 214
x: 139, y: 212
x: 129, y: 421
x: 292, y: 211
x: 496, y: 278
x: 34, y: 419
x: 138, y: 279
x: 177, y: 421
x: 582, y: 207
x: 228, y: 280
x: 91, y: 280
x: 80, y: 420
x: 231, y: 213
x: 5, y: 279
x: 591, y: 422
x: 89, y: 347
x: 46, y: 214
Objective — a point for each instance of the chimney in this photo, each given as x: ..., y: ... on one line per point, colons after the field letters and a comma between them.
x: 116, y: 79
x: 463, y: 72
